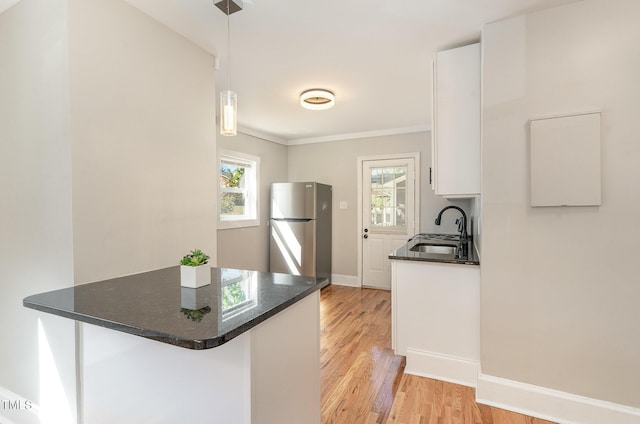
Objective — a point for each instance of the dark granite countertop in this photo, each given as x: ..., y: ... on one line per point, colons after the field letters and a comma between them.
x: 469, y: 256
x: 154, y: 305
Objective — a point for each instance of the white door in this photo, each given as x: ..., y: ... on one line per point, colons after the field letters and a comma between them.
x: 388, y: 215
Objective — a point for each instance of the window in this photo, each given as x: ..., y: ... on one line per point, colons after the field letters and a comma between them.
x: 238, y: 197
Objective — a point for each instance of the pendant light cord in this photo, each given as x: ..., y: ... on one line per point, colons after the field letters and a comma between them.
x: 228, y: 46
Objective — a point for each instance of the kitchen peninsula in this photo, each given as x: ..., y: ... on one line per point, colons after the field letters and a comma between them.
x: 244, y: 349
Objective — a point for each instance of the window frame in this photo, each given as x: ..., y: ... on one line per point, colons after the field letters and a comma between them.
x: 252, y: 190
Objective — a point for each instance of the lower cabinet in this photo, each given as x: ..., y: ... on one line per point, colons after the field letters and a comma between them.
x: 436, y: 319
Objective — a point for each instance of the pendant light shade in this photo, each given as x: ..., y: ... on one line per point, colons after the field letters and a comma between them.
x: 228, y: 113
x: 229, y: 99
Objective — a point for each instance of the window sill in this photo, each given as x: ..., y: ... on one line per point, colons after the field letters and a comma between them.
x: 240, y: 223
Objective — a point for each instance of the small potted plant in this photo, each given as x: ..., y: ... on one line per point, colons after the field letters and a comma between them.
x: 194, y: 271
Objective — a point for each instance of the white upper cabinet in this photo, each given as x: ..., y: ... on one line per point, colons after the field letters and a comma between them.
x: 455, y: 133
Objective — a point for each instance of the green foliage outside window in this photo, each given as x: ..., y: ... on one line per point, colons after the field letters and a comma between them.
x: 380, y: 200
x: 232, y: 203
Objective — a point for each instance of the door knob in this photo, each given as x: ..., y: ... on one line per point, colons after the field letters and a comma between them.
x: 366, y: 236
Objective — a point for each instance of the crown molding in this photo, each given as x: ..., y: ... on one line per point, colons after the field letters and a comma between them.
x: 364, y: 134
x: 336, y: 137
x: 262, y: 135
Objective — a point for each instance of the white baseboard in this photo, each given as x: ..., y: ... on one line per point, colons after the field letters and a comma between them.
x: 14, y: 410
x: 552, y: 405
x: 442, y: 367
x: 344, y: 280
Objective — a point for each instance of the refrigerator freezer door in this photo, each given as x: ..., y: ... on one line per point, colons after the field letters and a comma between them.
x: 292, y: 247
x: 293, y: 200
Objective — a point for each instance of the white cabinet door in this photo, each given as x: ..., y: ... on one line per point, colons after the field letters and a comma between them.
x: 456, y: 122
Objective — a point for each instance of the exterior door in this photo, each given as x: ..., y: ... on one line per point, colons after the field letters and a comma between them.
x: 388, y: 199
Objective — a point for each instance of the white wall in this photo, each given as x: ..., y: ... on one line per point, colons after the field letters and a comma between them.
x: 143, y: 133
x: 144, y: 156
x: 35, y: 186
x: 560, y: 285
x: 248, y: 248
x: 335, y: 163
x: 107, y: 151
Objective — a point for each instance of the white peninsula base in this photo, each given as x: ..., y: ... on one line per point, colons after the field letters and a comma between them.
x: 267, y: 375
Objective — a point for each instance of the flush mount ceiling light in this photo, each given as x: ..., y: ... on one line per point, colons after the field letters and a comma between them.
x: 228, y: 98
x: 317, y: 99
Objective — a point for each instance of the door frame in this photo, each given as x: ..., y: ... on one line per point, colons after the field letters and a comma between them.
x: 416, y: 200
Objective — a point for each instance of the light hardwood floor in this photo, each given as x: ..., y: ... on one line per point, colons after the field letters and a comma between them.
x: 363, y: 381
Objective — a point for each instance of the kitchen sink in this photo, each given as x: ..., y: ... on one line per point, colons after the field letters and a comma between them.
x: 440, y: 249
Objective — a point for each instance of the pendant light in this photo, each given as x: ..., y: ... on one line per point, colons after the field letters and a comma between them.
x: 228, y: 98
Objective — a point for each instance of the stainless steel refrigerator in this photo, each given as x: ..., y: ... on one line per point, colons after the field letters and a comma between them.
x: 300, y: 228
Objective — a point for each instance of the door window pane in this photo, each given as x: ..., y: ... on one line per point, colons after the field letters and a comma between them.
x: 388, y: 197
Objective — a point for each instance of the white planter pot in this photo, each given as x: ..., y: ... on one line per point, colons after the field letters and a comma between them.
x: 195, y: 276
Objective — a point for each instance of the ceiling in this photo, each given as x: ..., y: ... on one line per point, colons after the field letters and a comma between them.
x: 375, y: 55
